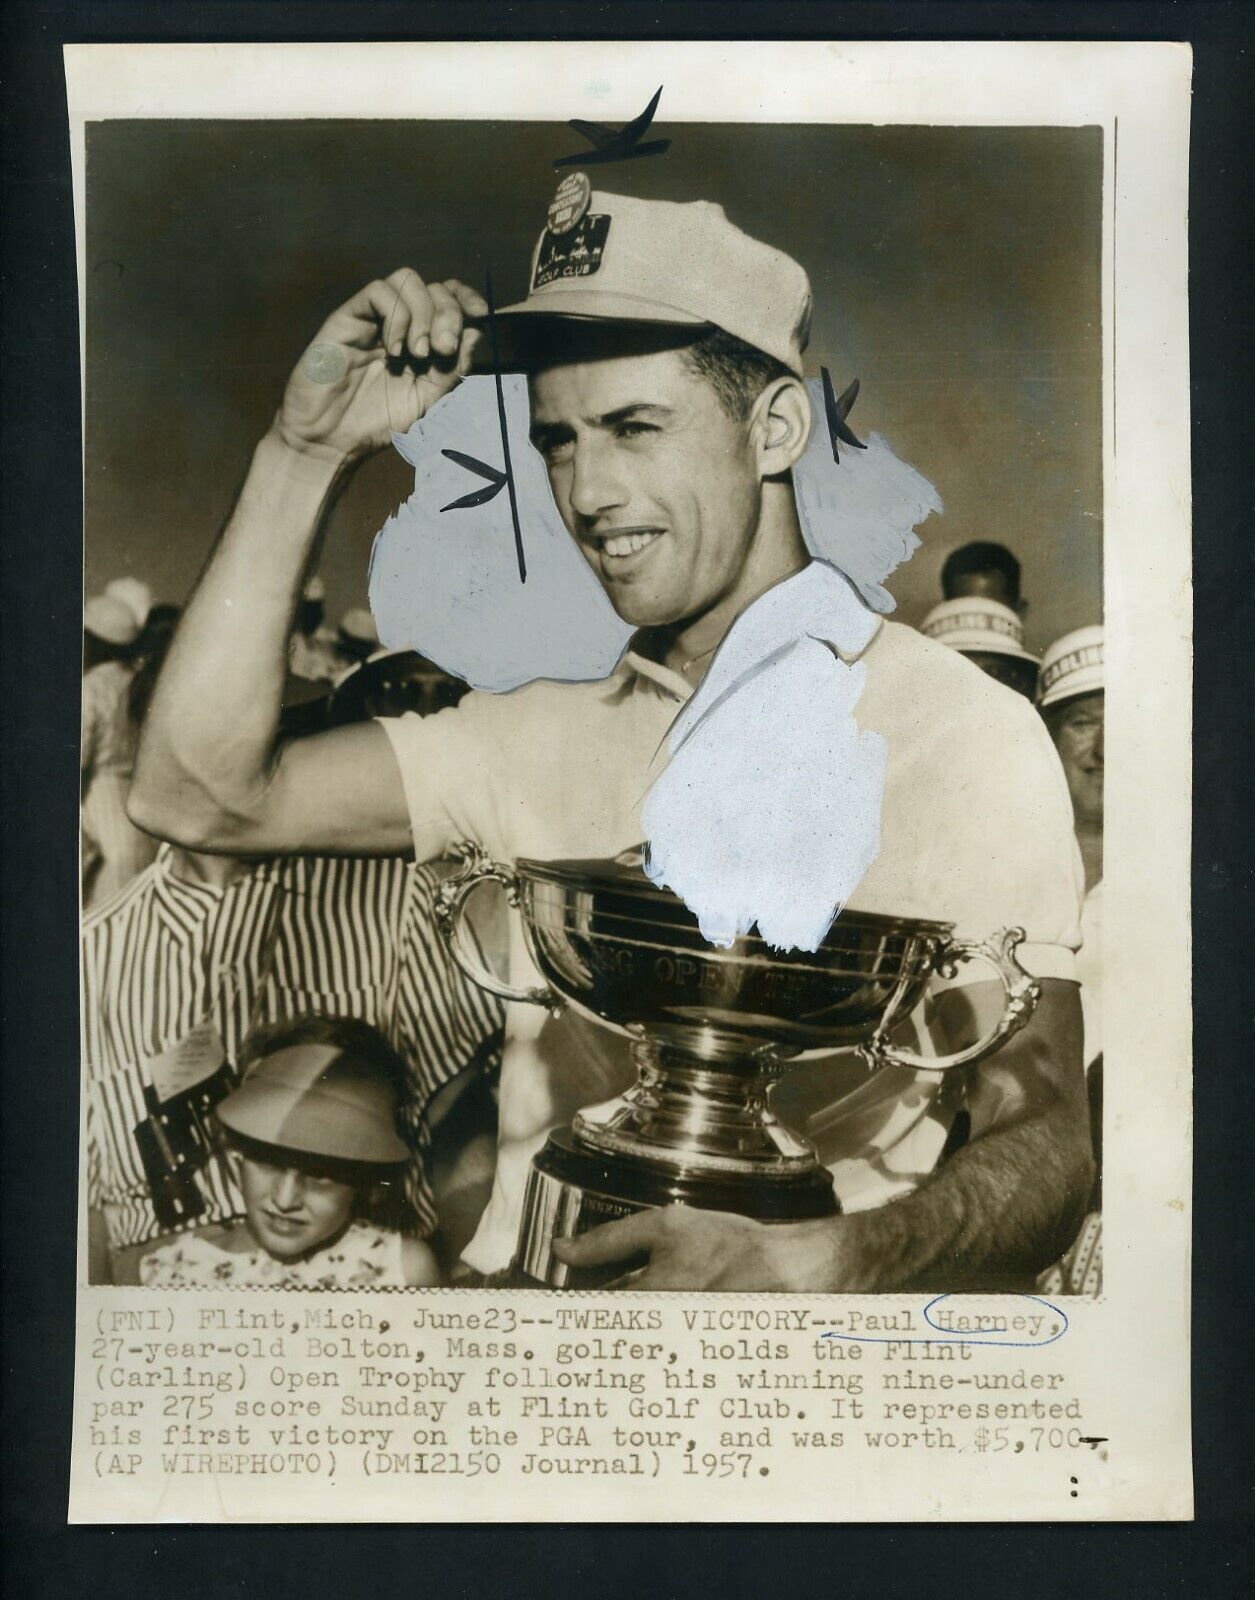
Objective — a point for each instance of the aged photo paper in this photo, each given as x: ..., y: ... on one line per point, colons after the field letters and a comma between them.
x: 593, y: 1009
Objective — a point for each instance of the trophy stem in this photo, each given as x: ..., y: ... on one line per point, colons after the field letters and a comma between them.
x: 699, y: 1106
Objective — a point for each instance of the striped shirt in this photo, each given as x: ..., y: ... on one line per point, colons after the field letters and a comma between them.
x: 291, y: 938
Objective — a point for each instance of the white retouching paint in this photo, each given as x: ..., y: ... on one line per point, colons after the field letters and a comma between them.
x: 768, y: 811
x: 446, y: 582
x: 859, y: 512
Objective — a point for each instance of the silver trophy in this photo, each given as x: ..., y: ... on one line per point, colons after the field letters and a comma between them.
x: 711, y: 1030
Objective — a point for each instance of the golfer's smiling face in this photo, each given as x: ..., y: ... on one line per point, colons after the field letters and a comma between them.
x: 653, y: 479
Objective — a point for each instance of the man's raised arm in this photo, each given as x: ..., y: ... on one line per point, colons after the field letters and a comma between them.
x: 211, y: 772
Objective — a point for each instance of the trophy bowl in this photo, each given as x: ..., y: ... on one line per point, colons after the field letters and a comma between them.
x: 711, y: 1029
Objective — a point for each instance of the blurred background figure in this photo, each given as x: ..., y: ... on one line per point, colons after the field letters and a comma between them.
x: 158, y: 630
x: 358, y: 638
x: 109, y: 632
x: 155, y: 639
x: 134, y: 594
x: 112, y: 849
x: 990, y: 634
x: 1071, y: 699
x: 389, y: 683
x: 1072, y: 702
x: 313, y: 651
x: 985, y: 571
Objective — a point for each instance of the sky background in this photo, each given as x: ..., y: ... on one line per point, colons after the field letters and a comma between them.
x: 956, y: 274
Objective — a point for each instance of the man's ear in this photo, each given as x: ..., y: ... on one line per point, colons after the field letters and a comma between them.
x: 780, y: 424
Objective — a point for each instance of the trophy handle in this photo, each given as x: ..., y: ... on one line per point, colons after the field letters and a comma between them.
x: 451, y: 898
x: 1022, y: 994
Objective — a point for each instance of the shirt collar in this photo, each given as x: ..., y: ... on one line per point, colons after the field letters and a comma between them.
x: 784, y: 613
x: 673, y: 683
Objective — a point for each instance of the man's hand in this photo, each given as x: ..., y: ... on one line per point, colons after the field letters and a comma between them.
x: 691, y: 1249
x: 378, y: 364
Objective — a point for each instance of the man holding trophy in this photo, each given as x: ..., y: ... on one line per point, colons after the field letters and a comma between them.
x: 665, y: 380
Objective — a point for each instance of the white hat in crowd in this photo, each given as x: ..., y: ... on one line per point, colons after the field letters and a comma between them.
x: 111, y: 620
x: 358, y: 625
x: 1072, y: 665
x: 136, y: 596
x: 977, y: 624
x: 614, y: 258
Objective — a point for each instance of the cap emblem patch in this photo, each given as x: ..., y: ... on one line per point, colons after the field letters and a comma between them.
x: 575, y: 254
x: 570, y: 202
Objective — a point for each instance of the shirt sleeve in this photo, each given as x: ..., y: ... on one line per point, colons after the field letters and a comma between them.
x: 453, y: 768
x: 1016, y: 857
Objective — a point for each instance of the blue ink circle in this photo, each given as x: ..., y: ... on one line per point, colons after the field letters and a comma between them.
x: 959, y: 1338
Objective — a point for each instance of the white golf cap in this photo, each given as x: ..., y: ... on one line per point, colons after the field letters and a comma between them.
x: 110, y: 619
x: 976, y: 624
x: 613, y: 258
x: 1072, y: 665
x: 134, y: 594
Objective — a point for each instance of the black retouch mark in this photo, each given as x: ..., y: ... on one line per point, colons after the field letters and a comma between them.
x: 616, y: 144
x: 837, y: 410
x: 481, y: 497
x: 477, y: 497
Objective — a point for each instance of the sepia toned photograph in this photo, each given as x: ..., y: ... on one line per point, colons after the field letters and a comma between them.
x: 599, y: 615
x: 592, y: 762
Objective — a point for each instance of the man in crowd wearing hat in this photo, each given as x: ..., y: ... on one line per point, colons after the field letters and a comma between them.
x: 986, y: 571
x: 1071, y: 698
x: 667, y: 401
x: 990, y: 635
x: 112, y: 849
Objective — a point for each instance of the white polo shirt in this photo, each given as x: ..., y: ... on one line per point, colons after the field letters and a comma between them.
x: 976, y: 829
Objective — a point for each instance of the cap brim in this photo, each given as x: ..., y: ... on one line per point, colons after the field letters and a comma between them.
x: 983, y: 645
x: 580, y: 306
x: 984, y: 648
x: 1076, y: 684
x: 600, y: 306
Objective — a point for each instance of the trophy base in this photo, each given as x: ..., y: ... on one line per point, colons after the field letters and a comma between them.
x: 571, y: 1189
